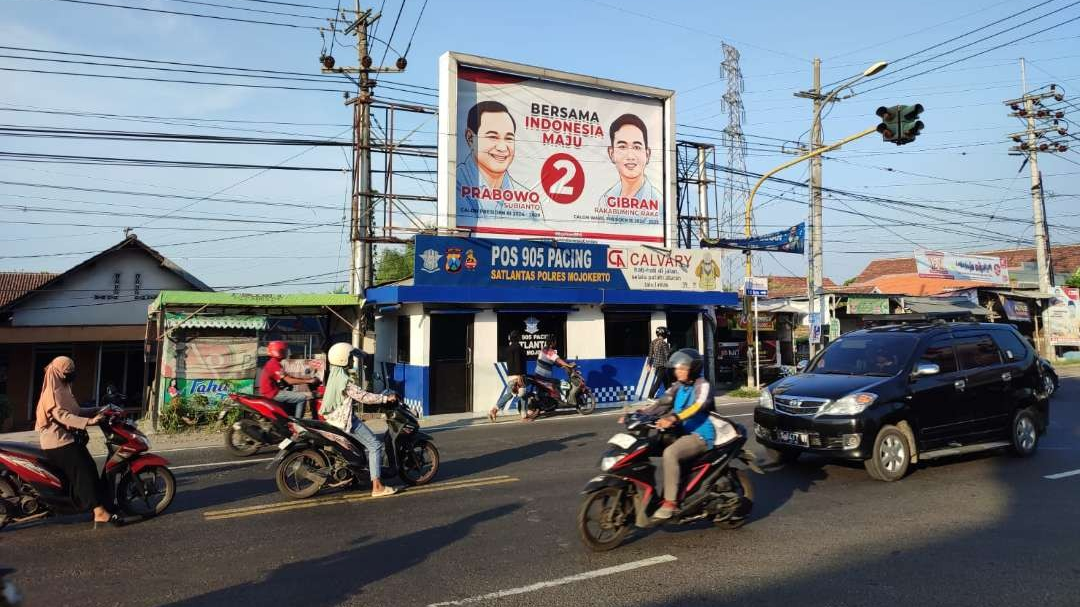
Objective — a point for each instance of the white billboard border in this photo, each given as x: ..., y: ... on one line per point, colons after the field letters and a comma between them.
x: 447, y: 137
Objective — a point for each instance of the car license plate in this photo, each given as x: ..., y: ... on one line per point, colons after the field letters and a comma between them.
x: 793, y: 438
x: 285, y: 444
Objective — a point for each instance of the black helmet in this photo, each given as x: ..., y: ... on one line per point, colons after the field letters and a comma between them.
x: 687, y: 357
x: 662, y: 332
x: 515, y: 336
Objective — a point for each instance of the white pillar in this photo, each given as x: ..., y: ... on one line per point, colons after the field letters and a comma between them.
x: 486, y: 349
x: 585, y: 334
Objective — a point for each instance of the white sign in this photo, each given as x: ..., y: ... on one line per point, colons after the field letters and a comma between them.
x: 656, y: 270
x: 534, y: 153
x: 756, y: 286
x: 1063, y: 314
x: 955, y: 266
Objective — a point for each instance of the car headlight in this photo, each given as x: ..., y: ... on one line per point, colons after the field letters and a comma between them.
x: 765, y: 400
x: 852, y: 404
x: 608, y: 462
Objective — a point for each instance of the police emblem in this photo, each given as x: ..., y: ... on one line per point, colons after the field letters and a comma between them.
x: 453, y: 260
x: 470, y: 260
x: 431, y: 261
x: 532, y: 325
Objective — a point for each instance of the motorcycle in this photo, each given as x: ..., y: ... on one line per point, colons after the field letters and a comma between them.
x: 318, y: 455
x: 260, y: 422
x: 543, y: 395
x: 139, y: 482
x: 625, y: 494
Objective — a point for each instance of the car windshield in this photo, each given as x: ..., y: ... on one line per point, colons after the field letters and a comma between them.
x: 874, y: 354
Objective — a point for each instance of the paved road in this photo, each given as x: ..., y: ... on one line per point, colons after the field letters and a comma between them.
x: 498, y: 529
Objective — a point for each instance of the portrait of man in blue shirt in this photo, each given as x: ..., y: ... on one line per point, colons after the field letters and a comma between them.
x: 629, y: 152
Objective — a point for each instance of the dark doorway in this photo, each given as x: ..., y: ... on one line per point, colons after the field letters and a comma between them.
x: 684, y: 330
x: 451, y: 363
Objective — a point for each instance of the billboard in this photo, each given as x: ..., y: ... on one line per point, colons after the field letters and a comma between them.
x: 791, y: 240
x: 956, y: 266
x: 475, y: 262
x: 533, y: 153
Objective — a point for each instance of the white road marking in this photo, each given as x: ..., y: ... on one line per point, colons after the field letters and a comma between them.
x: 588, y: 575
x: 1068, y: 473
x: 235, y: 462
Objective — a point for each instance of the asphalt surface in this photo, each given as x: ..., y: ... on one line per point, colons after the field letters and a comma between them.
x: 498, y: 528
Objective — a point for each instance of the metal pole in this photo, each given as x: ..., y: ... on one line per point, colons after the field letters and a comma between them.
x: 703, y: 194
x: 757, y: 349
x: 815, y: 271
x: 1041, y: 235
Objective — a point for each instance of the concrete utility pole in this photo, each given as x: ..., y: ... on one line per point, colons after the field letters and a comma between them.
x: 815, y: 271
x: 361, y: 232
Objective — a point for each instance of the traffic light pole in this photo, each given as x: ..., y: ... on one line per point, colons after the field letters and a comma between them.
x: 748, y: 228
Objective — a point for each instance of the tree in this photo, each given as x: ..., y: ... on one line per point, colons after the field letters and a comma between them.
x: 395, y: 264
x: 1074, y: 280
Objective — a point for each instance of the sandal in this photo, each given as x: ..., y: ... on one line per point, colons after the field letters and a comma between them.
x: 387, y: 491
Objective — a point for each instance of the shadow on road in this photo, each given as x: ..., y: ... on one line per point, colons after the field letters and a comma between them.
x: 220, y: 494
x: 330, y: 580
x: 497, y: 459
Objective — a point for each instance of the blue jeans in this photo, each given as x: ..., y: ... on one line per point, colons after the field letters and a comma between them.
x: 288, y: 397
x: 374, y: 446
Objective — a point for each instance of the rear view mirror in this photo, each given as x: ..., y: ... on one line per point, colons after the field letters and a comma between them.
x: 802, y: 365
x: 924, y: 369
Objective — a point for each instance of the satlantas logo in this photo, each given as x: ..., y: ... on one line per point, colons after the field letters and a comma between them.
x: 431, y: 259
x: 616, y: 258
x: 532, y: 325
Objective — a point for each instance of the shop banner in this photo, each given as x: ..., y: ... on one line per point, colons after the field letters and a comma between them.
x: 765, y: 322
x: 1016, y: 309
x: 448, y: 261
x: 791, y: 240
x: 211, y: 357
x: 955, y: 266
x: 868, y: 305
x: 215, y: 390
x: 534, y: 155
x: 1064, y: 317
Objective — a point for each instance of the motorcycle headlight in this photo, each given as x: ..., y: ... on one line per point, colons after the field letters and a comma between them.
x: 608, y: 462
x: 852, y: 404
x: 765, y: 400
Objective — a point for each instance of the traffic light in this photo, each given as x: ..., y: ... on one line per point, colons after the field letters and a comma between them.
x: 910, y: 125
x: 900, y: 124
x: 890, y: 123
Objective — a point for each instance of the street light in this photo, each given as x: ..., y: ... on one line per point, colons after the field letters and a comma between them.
x: 816, y: 275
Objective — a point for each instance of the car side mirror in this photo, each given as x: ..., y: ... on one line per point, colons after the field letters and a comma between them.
x: 924, y: 369
x: 802, y: 365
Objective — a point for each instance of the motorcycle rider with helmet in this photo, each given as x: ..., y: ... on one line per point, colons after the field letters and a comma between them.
x: 273, y: 377
x: 687, y: 403
x: 337, y: 409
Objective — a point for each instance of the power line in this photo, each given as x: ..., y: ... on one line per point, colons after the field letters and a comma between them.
x: 186, y: 14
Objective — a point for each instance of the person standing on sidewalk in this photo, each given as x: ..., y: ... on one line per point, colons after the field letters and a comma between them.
x: 514, y: 356
x: 273, y: 378
x: 659, y: 352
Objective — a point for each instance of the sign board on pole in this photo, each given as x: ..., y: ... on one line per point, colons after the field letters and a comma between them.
x: 531, y: 152
x: 757, y: 286
x: 955, y: 266
x: 815, y: 334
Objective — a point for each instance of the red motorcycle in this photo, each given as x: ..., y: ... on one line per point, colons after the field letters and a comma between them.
x: 261, y: 422
x: 139, y: 482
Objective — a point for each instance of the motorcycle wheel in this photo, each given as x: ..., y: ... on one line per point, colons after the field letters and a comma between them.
x: 419, y: 464
x: 7, y: 496
x: 738, y: 519
x: 292, y: 476
x: 605, y: 518
x: 586, y: 402
x: 238, y: 443
x: 146, y: 493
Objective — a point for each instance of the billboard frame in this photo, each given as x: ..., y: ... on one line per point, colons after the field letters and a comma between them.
x: 447, y: 162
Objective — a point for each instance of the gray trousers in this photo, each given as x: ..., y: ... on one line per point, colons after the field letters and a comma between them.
x: 686, y: 447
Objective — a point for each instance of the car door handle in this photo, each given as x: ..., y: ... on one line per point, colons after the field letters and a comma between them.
x: 1006, y: 376
x: 959, y: 385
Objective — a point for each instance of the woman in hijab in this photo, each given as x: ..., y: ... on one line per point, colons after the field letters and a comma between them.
x: 58, y: 414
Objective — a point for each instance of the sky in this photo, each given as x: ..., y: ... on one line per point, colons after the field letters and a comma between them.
x: 956, y: 188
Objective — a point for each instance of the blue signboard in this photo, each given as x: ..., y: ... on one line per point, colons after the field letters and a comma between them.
x: 790, y: 240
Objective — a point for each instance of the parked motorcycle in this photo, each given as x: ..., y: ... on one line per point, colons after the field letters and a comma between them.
x: 261, y: 422
x: 140, y: 482
x: 319, y: 455
x: 625, y: 494
x: 543, y: 395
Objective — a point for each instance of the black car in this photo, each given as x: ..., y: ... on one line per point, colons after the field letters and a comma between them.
x: 892, y: 396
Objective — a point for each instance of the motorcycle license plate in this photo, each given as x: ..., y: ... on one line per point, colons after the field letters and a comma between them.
x: 285, y: 444
x: 622, y: 440
x: 793, y: 438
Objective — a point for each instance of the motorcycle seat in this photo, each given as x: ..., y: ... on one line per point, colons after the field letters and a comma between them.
x: 23, y: 449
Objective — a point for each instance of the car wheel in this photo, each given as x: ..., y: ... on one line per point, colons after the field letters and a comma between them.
x: 891, y: 456
x: 1048, y: 385
x: 1025, y: 433
x: 781, y: 455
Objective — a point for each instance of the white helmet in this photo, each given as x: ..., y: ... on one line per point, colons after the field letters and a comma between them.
x: 339, y: 354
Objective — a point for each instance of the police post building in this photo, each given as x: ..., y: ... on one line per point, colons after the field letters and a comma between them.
x: 556, y: 195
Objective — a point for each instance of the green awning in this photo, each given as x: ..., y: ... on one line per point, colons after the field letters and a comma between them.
x: 252, y: 300
x: 215, y: 321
